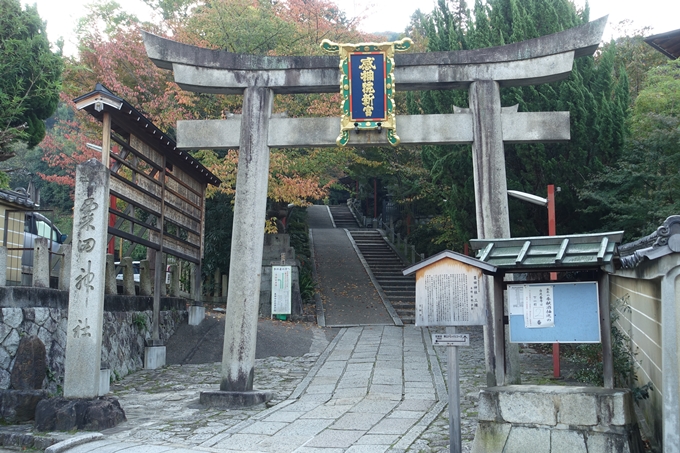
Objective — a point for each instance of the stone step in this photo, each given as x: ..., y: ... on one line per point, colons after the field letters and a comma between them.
x: 386, y: 273
x: 385, y: 283
x: 400, y: 294
x: 402, y: 302
x: 381, y: 265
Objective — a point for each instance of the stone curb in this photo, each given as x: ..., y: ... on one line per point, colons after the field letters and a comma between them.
x: 320, y: 315
x: 67, y: 444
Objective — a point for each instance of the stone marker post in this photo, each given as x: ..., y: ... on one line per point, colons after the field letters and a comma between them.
x: 41, y: 263
x: 3, y: 265
x: 86, y: 292
x: 65, y: 269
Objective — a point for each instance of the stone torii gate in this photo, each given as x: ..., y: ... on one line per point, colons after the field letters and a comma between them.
x: 485, y: 125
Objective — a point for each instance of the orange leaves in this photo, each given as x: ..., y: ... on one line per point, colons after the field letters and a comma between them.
x: 285, y: 184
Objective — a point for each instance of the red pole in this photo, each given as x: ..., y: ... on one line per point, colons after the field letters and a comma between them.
x: 553, y: 275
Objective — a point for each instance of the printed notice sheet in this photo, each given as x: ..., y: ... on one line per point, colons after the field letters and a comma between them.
x: 539, y: 307
x: 516, y: 299
x: 281, y: 290
x: 451, y: 300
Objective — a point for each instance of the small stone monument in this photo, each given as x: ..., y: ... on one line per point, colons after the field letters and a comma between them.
x: 18, y: 404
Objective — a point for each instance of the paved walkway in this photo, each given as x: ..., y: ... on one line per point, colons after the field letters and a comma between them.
x: 370, y: 388
x: 373, y: 389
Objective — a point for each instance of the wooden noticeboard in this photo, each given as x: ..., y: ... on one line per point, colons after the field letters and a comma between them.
x: 450, y: 293
x: 574, y: 309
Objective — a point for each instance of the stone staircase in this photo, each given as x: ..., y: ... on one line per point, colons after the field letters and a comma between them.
x: 342, y: 217
x: 386, y: 267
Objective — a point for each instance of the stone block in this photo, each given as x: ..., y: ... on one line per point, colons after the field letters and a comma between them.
x: 13, y: 317
x: 18, y: 406
x: 615, y: 407
x: 568, y: 441
x: 30, y: 364
x: 145, y: 278
x: 527, y: 407
x: 61, y: 414
x: 86, y: 291
x: 607, y: 443
x: 523, y: 439
x: 196, y: 315
x: 104, y: 381
x: 577, y: 409
x: 490, y: 437
x: 154, y: 357
x: 219, y: 399
x: 488, y: 406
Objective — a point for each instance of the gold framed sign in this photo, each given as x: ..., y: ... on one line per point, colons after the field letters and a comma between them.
x: 367, y: 86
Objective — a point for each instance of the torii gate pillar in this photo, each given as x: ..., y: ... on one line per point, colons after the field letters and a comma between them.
x: 238, y: 358
x: 245, y: 268
x: 493, y: 220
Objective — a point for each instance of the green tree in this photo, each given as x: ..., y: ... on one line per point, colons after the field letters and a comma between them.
x: 31, y: 76
x: 592, y: 94
x: 638, y: 192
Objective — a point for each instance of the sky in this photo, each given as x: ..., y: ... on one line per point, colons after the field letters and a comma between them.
x: 385, y: 15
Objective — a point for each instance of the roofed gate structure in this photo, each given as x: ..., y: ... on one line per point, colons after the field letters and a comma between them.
x: 485, y: 125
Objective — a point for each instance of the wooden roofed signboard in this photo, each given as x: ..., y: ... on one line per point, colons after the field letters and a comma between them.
x: 157, y: 183
x: 449, y: 290
x: 553, y: 312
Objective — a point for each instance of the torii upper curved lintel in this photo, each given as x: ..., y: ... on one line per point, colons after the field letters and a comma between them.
x: 540, y: 60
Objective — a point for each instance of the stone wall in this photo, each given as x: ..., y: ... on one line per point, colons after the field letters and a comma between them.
x: 43, y: 312
x: 555, y: 419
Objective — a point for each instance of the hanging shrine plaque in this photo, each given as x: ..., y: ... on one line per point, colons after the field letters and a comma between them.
x: 367, y: 87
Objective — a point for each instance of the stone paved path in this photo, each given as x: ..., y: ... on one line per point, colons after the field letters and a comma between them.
x: 374, y: 389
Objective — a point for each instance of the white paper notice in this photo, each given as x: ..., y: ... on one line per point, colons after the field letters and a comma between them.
x: 281, y: 290
x: 538, y: 306
x: 450, y: 299
x: 516, y: 299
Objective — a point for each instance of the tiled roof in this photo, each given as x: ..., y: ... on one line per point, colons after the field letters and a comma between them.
x: 19, y: 198
x: 665, y: 240
x: 549, y: 252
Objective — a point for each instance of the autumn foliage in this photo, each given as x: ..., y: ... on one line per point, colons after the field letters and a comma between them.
x: 112, y: 53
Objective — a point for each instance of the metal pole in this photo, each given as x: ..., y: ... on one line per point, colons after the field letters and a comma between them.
x: 456, y: 444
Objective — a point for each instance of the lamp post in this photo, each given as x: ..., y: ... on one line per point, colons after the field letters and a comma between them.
x: 550, y: 204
